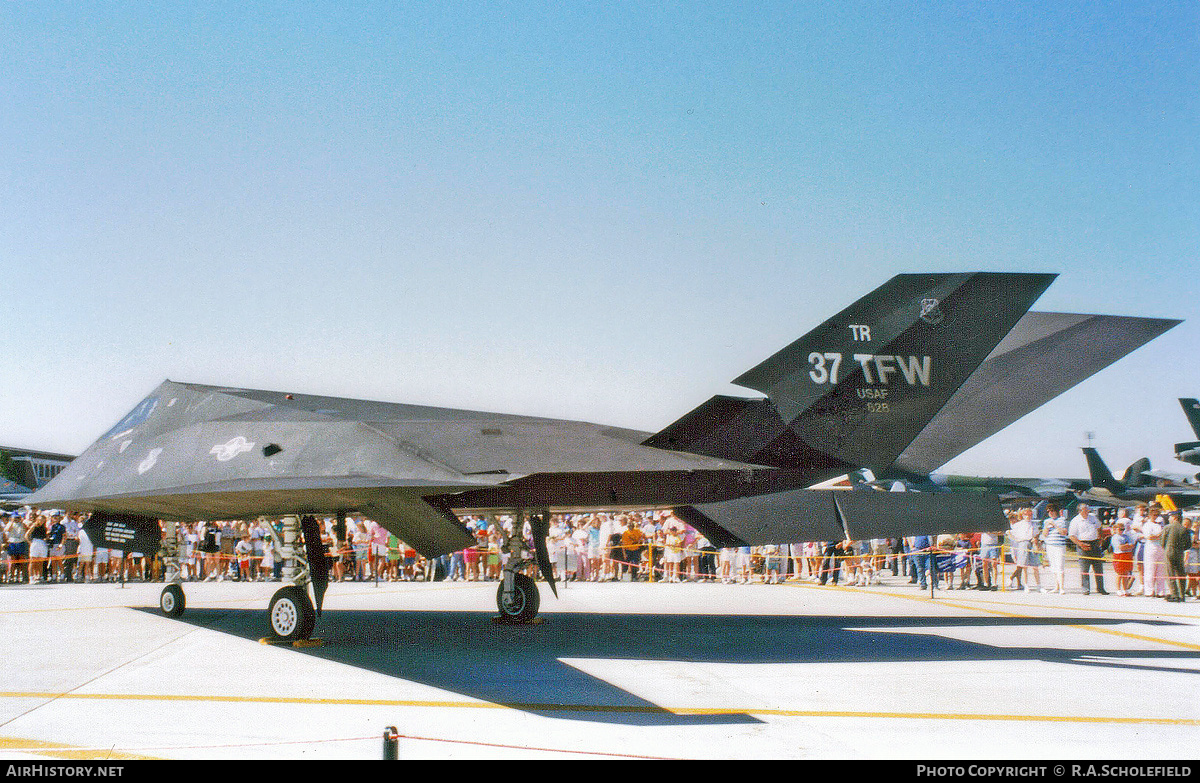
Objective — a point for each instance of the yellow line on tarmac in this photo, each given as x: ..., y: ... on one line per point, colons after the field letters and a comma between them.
x: 1086, y: 627
x: 57, y: 610
x: 1098, y: 610
x: 58, y: 750
x: 943, y: 716
x: 1020, y: 616
x: 585, y: 708
x: 1139, y: 637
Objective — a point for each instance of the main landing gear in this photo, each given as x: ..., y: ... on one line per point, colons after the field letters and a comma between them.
x: 517, y: 597
x: 291, y: 614
x: 171, y: 600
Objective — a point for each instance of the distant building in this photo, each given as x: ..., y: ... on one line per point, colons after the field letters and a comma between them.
x: 36, y: 468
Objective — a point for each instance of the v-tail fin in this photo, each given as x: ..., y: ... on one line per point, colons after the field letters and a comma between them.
x: 1191, y: 409
x: 1099, y: 473
x: 855, y: 391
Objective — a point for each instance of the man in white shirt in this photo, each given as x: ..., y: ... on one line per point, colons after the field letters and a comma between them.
x: 1084, y: 532
x: 610, y: 551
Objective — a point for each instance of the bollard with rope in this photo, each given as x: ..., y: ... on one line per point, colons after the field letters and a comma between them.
x: 391, y: 744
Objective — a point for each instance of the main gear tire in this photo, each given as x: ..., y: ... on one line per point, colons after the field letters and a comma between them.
x: 171, y: 600
x: 291, y: 614
x: 521, y: 606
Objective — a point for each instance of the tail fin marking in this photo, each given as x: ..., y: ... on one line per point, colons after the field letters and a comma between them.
x: 855, y: 391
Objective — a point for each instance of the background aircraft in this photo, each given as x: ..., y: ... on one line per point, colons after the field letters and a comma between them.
x: 12, y: 494
x: 1007, y: 487
x: 856, y: 392
x: 1190, y: 451
x: 1138, y: 485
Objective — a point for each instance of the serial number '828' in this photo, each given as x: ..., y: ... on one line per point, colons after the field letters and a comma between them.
x: 876, y: 368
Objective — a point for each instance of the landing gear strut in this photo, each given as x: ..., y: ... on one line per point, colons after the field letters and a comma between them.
x: 171, y: 600
x: 517, y: 597
x: 291, y: 614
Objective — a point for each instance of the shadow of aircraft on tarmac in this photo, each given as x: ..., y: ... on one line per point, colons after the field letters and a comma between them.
x: 522, y: 667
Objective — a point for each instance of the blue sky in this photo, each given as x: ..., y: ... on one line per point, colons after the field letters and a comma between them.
x: 578, y: 211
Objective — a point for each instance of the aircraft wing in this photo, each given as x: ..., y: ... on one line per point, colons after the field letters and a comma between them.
x: 191, y: 452
x: 1174, y: 479
x: 1044, y: 355
x: 833, y: 515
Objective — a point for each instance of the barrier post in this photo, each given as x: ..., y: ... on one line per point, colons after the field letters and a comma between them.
x: 934, y: 573
x: 391, y: 744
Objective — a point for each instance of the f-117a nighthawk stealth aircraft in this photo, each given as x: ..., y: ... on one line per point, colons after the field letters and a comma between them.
x: 851, y: 394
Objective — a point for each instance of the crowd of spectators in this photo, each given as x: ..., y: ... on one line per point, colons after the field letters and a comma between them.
x: 1153, y: 552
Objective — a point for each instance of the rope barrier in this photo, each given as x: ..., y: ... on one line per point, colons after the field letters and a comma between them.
x: 528, y: 747
x: 757, y: 556
x: 948, y: 561
x: 653, y: 565
x: 973, y: 553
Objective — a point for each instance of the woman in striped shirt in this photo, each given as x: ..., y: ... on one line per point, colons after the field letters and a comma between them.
x: 1054, y: 536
